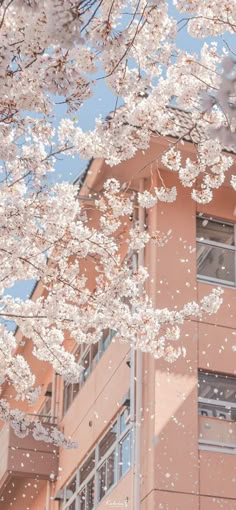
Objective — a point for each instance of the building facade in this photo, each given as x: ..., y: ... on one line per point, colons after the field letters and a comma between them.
x: 152, y: 435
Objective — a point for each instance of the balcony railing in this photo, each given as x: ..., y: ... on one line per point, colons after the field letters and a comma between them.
x: 217, y: 434
x: 26, y: 456
x: 44, y: 418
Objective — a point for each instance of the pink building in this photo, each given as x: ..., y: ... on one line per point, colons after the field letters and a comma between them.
x: 152, y: 435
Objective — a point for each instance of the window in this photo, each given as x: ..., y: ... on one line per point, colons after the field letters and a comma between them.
x: 87, y: 467
x: 106, y: 475
x: 71, y: 390
x: 216, y: 250
x: 105, y: 465
x: 108, y: 440
x: 86, y: 496
x: 86, y: 362
x: 90, y: 493
x: 82, y: 499
x: 72, y: 485
x: 45, y: 410
x: 124, y: 419
x: 69, y: 501
x: 88, y: 357
x: 107, y: 337
x: 217, y: 396
x: 217, y: 412
x: 125, y: 454
x: 102, y: 481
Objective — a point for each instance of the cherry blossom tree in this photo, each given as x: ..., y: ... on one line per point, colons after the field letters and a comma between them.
x: 54, y: 52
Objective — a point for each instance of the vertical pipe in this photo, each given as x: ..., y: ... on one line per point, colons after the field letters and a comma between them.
x: 151, y: 363
x: 138, y: 392
x: 48, y: 495
x: 53, y: 415
x: 132, y: 400
x: 54, y: 387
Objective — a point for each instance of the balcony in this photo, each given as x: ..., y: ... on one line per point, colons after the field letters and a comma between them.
x: 25, y: 457
x: 217, y: 434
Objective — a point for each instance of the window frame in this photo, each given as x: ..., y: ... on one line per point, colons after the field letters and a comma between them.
x: 216, y: 244
x: 218, y: 410
x: 121, y: 442
x: 215, y: 403
x: 85, y: 350
x: 46, y: 414
x: 114, y: 447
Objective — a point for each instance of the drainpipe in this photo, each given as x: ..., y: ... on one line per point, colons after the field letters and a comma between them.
x: 48, y: 495
x: 153, y: 223
x: 53, y: 414
x: 138, y: 388
x: 132, y: 416
x: 132, y: 395
x: 54, y: 396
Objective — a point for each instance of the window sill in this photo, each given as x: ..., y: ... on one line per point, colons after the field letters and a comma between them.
x: 221, y: 283
x: 213, y: 446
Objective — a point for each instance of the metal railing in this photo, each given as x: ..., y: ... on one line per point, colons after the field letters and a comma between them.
x: 43, y: 418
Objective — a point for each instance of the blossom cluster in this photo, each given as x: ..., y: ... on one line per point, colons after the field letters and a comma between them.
x: 54, y: 53
x: 148, y: 199
x: 67, y: 304
x: 210, y: 166
x: 24, y: 424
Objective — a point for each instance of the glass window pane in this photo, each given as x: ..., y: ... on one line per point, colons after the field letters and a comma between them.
x: 94, y: 354
x: 77, y: 353
x: 48, y: 404
x: 111, y: 469
x: 215, y: 262
x: 86, y: 373
x: 105, y: 339
x: 107, y: 441
x: 86, y: 364
x: 75, y: 390
x: 102, y: 481
x: 217, y: 396
x: 125, y: 454
x: 112, y: 333
x: 109, y: 338
x: 71, y: 486
x: 46, y: 407
x: 217, y: 387
x: 67, y: 396
x: 82, y: 499
x: 87, y: 467
x: 211, y: 230
x: 123, y: 420
x: 72, y: 505
x: 90, y: 494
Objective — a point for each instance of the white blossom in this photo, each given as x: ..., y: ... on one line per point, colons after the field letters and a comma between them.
x: 233, y: 182
x: 203, y: 196
x: 166, y: 195
x: 172, y: 159
x: 146, y: 199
